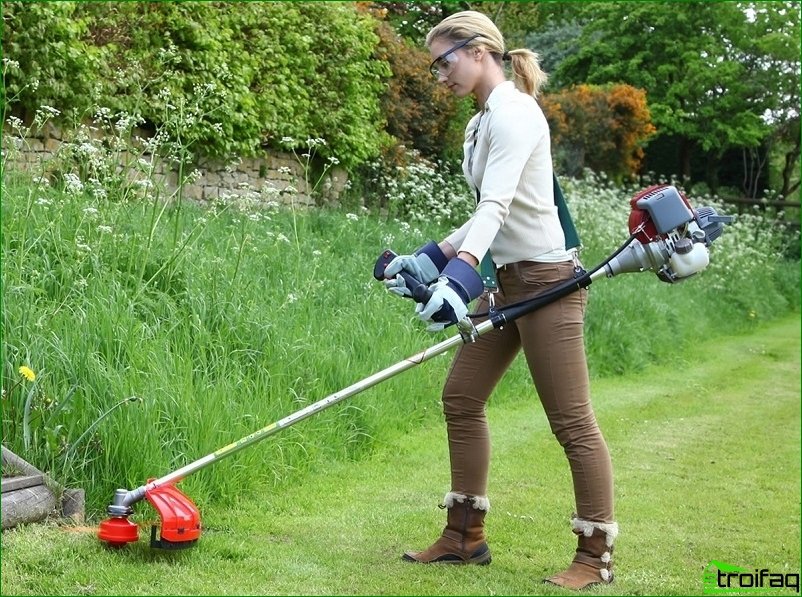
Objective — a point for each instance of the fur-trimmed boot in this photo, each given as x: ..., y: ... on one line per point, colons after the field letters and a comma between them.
x: 593, y: 560
x: 463, y: 539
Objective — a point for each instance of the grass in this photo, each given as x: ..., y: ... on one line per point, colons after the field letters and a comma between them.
x: 706, y: 450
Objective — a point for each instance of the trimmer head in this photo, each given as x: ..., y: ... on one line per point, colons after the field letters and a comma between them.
x: 180, y: 519
x: 118, y: 531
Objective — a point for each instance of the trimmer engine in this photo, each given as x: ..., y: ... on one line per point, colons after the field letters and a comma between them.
x: 669, y: 237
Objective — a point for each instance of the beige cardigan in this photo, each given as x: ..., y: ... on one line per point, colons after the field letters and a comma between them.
x: 516, y: 218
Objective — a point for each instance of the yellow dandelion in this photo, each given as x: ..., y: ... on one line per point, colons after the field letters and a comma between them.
x: 27, y: 373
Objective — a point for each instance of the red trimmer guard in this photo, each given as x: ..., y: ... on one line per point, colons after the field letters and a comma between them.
x: 181, y: 526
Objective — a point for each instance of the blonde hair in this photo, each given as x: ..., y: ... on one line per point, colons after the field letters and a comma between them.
x: 526, y: 71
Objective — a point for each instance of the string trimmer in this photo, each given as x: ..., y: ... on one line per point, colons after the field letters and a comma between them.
x: 667, y: 236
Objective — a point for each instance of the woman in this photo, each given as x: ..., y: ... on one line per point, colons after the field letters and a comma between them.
x: 508, y: 164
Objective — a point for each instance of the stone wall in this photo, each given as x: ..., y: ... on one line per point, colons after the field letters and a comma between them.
x: 274, y: 176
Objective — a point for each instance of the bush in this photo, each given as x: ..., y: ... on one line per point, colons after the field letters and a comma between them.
x: 53, y: 65
x: 601, y: 128
x: 421, y: 113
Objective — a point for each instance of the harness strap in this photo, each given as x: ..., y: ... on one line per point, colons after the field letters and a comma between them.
x: 487, y: 270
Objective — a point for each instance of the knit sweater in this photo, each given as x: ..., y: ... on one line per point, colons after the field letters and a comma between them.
x: 510, y: 164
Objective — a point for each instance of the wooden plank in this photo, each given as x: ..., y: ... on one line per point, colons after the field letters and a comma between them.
x: 31, y: 504
x: 14, y: 483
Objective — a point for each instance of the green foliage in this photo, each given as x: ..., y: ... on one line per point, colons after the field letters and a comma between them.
x: 702, y: 64
x: 553, y: 42
x: 413, y: 20
x: 55, y: 66
x: 253, y: 72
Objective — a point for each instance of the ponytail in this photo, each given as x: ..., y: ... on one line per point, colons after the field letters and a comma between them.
x: 526, y: 71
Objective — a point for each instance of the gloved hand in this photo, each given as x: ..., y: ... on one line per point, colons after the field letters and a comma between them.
x: 424, y: 265
x: 458, y: 285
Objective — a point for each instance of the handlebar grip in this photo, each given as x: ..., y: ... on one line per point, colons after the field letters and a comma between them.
x: 420, y: 292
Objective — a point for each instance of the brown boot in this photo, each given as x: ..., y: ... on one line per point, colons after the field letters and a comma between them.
x: 593, y: 560
x: 463, y: 539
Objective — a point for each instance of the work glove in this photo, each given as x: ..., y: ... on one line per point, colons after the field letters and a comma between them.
x: 424, y: 265
x: 457, y: 286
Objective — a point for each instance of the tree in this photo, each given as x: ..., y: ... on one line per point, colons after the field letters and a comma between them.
x: 554, y: 43
x: 413, y: 20
x: 704, y: 65
x: 601, y: 128
x: 774, y: 50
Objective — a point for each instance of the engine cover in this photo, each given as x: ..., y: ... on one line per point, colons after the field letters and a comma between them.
x: 657, y: 211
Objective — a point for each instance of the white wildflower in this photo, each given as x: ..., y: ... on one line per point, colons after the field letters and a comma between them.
x: 15, y: 123
x: 194, y: 176
x: 72, y: 184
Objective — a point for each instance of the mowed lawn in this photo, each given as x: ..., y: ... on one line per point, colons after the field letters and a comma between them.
x: 706, y: 451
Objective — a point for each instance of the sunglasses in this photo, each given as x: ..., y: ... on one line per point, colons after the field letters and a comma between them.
x: 444, y: 63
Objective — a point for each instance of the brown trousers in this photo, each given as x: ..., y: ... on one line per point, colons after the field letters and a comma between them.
x: 553, y: 344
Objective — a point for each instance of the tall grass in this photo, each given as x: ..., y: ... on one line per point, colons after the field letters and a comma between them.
x: 160, y: 331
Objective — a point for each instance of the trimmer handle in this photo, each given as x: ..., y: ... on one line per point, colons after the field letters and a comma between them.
x: 420, y: 292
